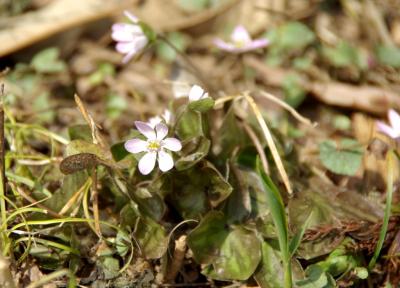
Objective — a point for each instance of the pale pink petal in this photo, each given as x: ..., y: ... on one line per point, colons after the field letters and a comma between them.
x: 195, y: 93
x: 125, y: 47
x: 389, y: 131
x: 140, y: 42
x: 146, y: 130
x: 121, y: 36
x: 394, y: 119
x: 240, y: 35
x: 224, y: 45
x: 256, y: 44
x: 172, y: 144
x: 153, y: 121
x: 167, y: 116
x: 136, y: 145
x: 128, y: 56
x: 131, y: 17
x: 165, y: 161
x: 161, y: 131
x: 147, y: 163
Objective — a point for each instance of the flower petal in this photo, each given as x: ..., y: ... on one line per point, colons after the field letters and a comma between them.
x: 240, y: 35
x: 128, y: 56
x: 195, y: 93
x: 172, y: 144
x: 167, y: 116
x: 221, y: 44
x: 147, y: 163
x: 394, y: 119
x: 146, y: 130
x: 135, y: 145
x: 389, y: 131
x: 125, y: 47
x: 131, y: 17
x: 165, y: 161
x: 153, y: 121
x: 256, y: 44
x: 161, y: 131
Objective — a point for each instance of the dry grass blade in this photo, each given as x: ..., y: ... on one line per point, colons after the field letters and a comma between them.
x: 270, y: 142
x: 289, y: 108
x: 97, y: 139
x: 258, y: 146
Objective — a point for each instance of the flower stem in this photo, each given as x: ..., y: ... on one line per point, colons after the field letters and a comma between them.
x: 196, y: 71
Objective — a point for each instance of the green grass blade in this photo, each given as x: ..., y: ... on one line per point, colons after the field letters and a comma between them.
x: 278, y: 214
x: 385, y: 224
x: 296, y: 240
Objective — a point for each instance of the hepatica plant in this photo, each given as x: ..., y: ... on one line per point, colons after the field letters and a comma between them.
x: 154, y: 146
x: 241, y: 42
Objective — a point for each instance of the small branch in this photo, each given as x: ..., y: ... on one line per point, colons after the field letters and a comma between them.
x: 95, y: 202
x: 177, y: 260
x: 270, y: 141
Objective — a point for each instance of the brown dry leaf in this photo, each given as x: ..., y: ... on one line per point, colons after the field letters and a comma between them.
x: 57, y: 16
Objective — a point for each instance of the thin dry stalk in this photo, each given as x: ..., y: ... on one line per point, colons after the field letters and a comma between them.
x: 270, y: 142
x: 74, y: 197
x: 177, y: 260
x: 289, y: 108
x: 258, y: 146
x: 95, y: 196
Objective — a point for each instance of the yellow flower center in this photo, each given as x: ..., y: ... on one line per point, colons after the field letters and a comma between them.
x: 153, y: 145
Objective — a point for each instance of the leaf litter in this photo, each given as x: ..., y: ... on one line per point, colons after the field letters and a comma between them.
x: 283, y: 179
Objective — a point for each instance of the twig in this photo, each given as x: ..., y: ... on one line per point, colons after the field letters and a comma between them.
x: 270, y: 141
x: 289, y: 108
x: 177, y: 260
x: 378, y: 21
x: 95, y: 196
x: 258, y: 146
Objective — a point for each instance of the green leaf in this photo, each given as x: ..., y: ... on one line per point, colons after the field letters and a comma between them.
x: 80, y: 132
x: 270, y: 272
x: 189, y: 125
x: 104, y: 69
x: 192, y: 153
x: 291, y: 36
x: 118, y: 151
x: 122, y: 243
x: 47, y: 61
x: 316, y: 277
x: 151, y: 236
x: 388, y: 55
x: 202, y: 105
x: 233, y: 253
x: 279, y: 218
x: 345, y: 159
x: 194, y: 5
x: 344, y: 55
x: 165, y: 52
x: 110, y: 267
x: 293, y: 89
x: 115, y: 105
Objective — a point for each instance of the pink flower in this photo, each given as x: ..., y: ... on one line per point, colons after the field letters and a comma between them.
x: 130, y: 38
x: 393, y: 131
x: 154, y: 147
x: 240, y: 42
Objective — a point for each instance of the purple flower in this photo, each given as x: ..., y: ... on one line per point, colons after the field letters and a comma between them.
x: 240, y: 41
x: 393, y: 131
x: 130, y: 38
x: 197, y: 93
x: 154, y: 147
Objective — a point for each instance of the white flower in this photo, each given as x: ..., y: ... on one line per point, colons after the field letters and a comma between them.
x: 197, y: 93
x: 130, y: 37
x: 240, y: 42
x: 393, y: 131
x: 166, y: 116
x: 154, y: 146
